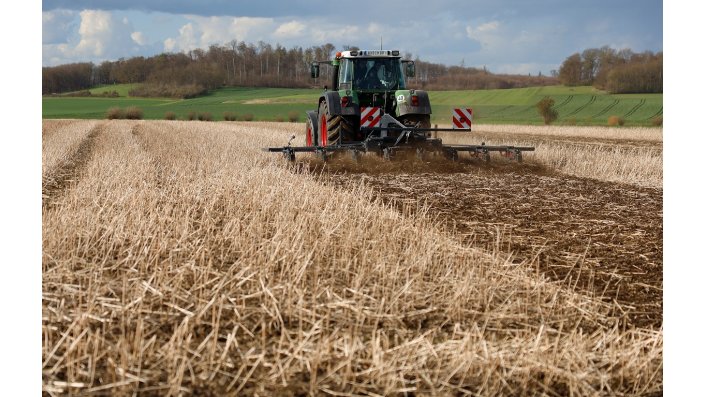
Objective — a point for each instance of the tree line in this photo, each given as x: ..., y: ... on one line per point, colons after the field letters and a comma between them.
x: 616, y: 71
x: 245, y: 64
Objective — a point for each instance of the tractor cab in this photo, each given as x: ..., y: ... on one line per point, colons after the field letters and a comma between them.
x: 378, y: 70
x: 370, y: 78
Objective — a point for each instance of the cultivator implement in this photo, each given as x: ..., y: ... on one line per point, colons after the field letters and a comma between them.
x: 394, y: 138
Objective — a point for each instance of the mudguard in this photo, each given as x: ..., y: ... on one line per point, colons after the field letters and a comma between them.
x: 334, y: 108
x: 404, y: 106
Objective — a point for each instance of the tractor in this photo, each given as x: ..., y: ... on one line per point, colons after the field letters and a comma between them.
x: 369, y: 108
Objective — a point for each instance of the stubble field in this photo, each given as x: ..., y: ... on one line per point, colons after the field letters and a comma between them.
x: 178, y: 258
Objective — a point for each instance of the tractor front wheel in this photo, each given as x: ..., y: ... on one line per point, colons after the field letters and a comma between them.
x: 311, y: 139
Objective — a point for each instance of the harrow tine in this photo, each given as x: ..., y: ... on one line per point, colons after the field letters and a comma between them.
x: 355, y: 155
x: 321, y: 153
x: 387, y: 154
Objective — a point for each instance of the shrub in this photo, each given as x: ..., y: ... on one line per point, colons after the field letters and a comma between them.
x: 205, y: 116
x: 279, y: 118
x: 79, y: 93
x: 248, y: 117
x: 191, y: 115
x: 169, y: 116
x: 293, y: 116
x: 115, y: 113
x: 547, y: 111
x: 185, y: 91
x: 615, y: 120
x: 229, y: 116
x: 134, y: 113
x: 657, y: 121
x: 571, y: 121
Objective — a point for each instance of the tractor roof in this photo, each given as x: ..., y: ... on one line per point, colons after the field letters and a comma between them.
x: 370, y: 54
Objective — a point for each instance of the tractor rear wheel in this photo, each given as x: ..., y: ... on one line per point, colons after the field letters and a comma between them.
x: 332, y: 130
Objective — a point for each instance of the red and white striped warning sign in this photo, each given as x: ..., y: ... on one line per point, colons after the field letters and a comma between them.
x: 370, y: 116
x: 462, y: 119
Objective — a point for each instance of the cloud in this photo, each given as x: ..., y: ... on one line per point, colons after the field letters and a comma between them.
x: 532, y: 68
x: 487, y: 34
x: 290, y: 29
x: 497, y: 34
x: 202, y: 32
x: 100, y: 36
x: 138, y: 37
x: 57, y: 25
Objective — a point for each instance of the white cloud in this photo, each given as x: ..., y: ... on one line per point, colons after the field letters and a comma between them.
x: 170, y: 45
x: 138, y: 37
x: 202, y: 32
x: 484, y: 33
x: 335, y: 33
x: 290, y: 29
x: 100, y: 36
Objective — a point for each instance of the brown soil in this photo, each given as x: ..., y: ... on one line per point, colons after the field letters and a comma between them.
x: 602, y: 238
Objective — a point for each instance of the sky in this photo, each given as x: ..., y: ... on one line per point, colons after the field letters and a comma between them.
x: 506, y: 36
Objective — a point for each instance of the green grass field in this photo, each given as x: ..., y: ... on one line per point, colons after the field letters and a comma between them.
x: 576, y: 105
x: 121, y: 89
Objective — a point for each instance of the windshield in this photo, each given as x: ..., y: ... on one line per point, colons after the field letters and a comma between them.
x: 378, y: 74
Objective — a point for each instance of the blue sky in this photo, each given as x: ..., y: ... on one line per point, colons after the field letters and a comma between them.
x: 505, y: 35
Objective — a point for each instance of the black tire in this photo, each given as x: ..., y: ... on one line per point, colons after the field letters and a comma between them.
x: 332, y: 130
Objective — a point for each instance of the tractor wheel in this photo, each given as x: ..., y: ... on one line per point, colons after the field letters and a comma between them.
x: 311, y: 139
x: 332, y: 130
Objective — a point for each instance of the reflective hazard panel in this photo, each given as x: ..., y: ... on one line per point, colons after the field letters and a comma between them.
x: 462, y: 119
x: 370, y: 116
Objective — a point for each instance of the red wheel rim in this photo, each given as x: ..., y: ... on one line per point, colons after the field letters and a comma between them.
x: 324, y: 131
x: 309, y: 140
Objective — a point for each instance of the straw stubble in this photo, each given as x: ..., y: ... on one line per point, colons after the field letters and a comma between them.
x: 183, y: 260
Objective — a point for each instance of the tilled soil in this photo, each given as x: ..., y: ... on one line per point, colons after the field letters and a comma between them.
x: 602, y: 238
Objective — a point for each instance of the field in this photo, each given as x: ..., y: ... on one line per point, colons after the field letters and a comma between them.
x: 180, y: 259
x: 576, y: 105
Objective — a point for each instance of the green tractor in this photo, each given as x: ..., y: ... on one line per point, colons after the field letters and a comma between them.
x: 369, y: 108
x: 366, y: 85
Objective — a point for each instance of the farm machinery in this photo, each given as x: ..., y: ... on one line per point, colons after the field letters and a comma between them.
x: 369, y: 109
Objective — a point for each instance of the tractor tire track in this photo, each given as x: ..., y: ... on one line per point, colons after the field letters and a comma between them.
x: 54, y: 185
x: 607, y: 109
x: 139, y: 135
x: 658, y: 113
x: 567, y: 100
x: 581, y: 107
x: 635, y: 108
